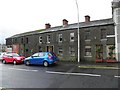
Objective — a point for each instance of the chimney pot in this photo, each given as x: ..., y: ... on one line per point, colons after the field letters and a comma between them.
x: 65, y: 22
x: 87, y: 18
x: 47, y: 25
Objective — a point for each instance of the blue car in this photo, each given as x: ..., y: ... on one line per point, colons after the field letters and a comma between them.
x: 42, y: 58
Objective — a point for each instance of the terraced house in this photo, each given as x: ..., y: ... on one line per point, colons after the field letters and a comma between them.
x: 96, y: 40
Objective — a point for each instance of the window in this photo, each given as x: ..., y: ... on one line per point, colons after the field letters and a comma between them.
x: 26, y: 40
x: 15, y: 40
x: 111, y: 51
x: 35, y: 55
x: 103, y: 34
x: 60, y: 52
x: 60, y: 37
x: 40, y: 39
x: 72, y: 37
x: 99, y: 51
x: 39, y: 48
x: 41, y: 54
x: 87, y: 50
x: 21, y: 40
x: 26, y: 50
x: 72, y: 51
x: 87, y: 35
x: 48, y: 38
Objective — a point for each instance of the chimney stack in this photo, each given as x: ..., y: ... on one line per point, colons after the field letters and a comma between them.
x: 65, y: 22
x: 47, y: 25
x: 87, y: 18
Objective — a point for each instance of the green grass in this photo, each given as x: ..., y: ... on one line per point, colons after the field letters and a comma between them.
x: 40, y: 30
x: 99, y: 67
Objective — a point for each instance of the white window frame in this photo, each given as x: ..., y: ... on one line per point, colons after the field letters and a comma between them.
x: 60, y: 38
x: 90, y: 53
x: 72, y: 35
x: 40, y: 39
x: 60, y: 50
x: 72, y: 51
x: 48, y: 38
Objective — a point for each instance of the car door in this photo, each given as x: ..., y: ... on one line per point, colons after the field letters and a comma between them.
x: 34, y: 58
x: 9, y: 58
x: 41, y: 58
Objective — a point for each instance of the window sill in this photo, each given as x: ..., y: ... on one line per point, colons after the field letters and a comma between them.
x: 104, y: 39
x: 87, y: 56
x: 88, y: 40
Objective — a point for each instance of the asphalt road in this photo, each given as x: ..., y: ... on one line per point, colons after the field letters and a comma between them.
x: 57, y: 76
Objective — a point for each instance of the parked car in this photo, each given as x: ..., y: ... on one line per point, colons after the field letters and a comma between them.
x: 42, y: 58
x: 13, y: 58
x: 2, y: 54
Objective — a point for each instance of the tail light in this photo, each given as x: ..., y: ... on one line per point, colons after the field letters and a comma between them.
x: 49, y: 56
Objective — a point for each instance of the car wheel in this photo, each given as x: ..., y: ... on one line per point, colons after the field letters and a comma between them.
x: 45, y: 63
x: 4, y: 62
x: 27, y: 63
x: 14, y: 62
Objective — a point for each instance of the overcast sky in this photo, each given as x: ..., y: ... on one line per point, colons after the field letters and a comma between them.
x: 18, y: 16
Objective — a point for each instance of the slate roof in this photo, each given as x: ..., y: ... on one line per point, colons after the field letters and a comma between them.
x: 69, y: 26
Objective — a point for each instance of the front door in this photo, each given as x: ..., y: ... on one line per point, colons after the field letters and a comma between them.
x: 49, y: 48
x: 99, y: 51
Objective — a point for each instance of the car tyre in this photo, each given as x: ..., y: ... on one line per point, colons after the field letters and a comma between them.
x: 45, y: 63
x: 4, y: 62
x: 27, y: 63
x: 14, y: 62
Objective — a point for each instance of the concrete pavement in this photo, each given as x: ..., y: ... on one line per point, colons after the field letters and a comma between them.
x: 69, y: 66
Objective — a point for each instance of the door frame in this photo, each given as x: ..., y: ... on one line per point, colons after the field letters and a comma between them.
x: 48, y: 47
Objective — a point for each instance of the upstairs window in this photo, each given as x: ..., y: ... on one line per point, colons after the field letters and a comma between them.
x: 48, y: 38
x: 21, y: 40
x: 40, y: 39
x: 103, y: 33
x: 87, y: 35
x: 60, y: 37
x: 27, y: 40
x: 72, y: 37
x: 15, y: 40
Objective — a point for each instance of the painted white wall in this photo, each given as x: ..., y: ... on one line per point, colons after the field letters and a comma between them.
x: 116, y: 18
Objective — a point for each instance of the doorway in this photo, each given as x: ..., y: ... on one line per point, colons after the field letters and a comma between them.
x: 50, y: 49
x: 99, y: 51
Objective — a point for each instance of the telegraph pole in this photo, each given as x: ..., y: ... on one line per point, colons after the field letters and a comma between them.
x: 78, y: 32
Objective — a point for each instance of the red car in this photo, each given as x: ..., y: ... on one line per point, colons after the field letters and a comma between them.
x: 13, y: 58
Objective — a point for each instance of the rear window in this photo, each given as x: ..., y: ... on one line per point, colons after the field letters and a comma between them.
x: 53, y: 54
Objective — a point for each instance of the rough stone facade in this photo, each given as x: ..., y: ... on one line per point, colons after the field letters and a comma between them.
x: 62, y: 40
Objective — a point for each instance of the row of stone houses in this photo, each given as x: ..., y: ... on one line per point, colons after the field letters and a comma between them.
x: 62, y: 40
x: 98, y: 35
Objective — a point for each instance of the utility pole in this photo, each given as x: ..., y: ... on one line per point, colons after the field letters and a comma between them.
x: 78, y: 32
